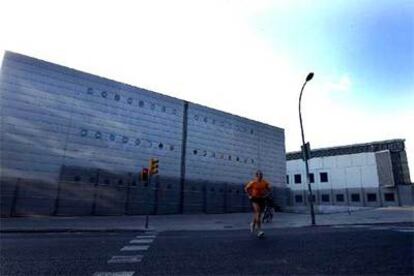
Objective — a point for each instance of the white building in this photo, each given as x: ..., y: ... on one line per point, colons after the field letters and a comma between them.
x: 371, y: 174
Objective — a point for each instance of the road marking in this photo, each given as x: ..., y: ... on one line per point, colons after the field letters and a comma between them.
x: 142, y: 241
x: 121, y: 273
x: 125, y: 259
x: 147, y: 237
x: 135, y: 247
x: 340, y: 226
x: 405, y: 230
x: 379, y: 228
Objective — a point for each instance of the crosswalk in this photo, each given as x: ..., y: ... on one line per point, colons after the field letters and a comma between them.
x: 402, y: 229
x: 136, y: 247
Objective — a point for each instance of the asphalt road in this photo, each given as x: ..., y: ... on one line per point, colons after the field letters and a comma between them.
x: 359, y: 250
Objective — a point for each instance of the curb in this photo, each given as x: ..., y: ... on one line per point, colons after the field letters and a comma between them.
x: 113, y: 230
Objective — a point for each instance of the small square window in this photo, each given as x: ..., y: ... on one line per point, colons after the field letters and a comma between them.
x: 389, y: 197
x: 311, y: 178
x: 129, y: 100
x: 298, y: 198
x: 371, y: 197
x: 355, y: 198
x: 141, y: 104
x: 90, y: 91
x: 324, y: 176
x: 325, y: 198
x: 298, y: 178
x: 340, y: 198
x: 117, y: 97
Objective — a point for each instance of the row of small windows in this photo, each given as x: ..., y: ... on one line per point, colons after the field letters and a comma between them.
x: 130, y: 100
x: 223, y: 124
x: 125, y: 139
x: 371, y: 197
x: 212, y: 154
x: 323, y: 178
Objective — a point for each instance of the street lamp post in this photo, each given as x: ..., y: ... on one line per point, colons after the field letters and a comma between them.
x: 305, y: 151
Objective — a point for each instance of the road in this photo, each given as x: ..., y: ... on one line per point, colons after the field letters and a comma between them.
x: 369, y: 249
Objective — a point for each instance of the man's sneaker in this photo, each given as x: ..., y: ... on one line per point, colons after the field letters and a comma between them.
x: 252, y: 227
x: 260, y: 233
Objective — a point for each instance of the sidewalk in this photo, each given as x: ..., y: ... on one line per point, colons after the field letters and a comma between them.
x: 198, y: 222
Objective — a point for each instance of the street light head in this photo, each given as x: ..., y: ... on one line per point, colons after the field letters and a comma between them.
x: 310, y: 76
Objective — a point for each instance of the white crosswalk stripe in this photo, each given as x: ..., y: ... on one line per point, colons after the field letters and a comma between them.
x: 135, y: 247
x: 405, y: 230
x: 146, y: 237
x: 142, y: 241
x: 125, y: 259
x: 120, y: 273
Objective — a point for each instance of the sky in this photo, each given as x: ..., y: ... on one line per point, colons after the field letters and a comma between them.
x: 249, y: 58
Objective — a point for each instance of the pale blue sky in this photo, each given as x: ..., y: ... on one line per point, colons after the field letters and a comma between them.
x: 244, y: 57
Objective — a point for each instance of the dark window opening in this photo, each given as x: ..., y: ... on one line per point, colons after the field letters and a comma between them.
x: 104, y: 94
x: 120, y: 182
x: 340, y: 198
x: 237, y: 159
x: 195, y: 152
x: 205, y: 120
x: 137, y: 142
x: 325, y: 198
x: 251, y: 131
x: 355, y: 197
x: 169, y: 186
x: 98, y: 135
x: 129, y: 100
x: 141, y: 104
x: 107, y: 182
x: 160, y: 146
x: 174, y: 111
x: 204, y: 153
x: 91, y: 179
x: 287, y: 179
x: 298, y: 198
x: 311, y: 178
x: 171, y: 147
x: 84, y: 132
x: 134, y: 183
x: 90, y: 91
x: 229, y: 157
x: 77, y: 178
x: 371, y: 197
x: 163, y: 109
x: 112, y: 137
x: 389, y: 197
x: 298, y: 178
x: 211, y: 189
x: 125, y: 139
x: 117, y: 97
x: 324, y: 176
x: 152, y: 106
x: 196, y: 117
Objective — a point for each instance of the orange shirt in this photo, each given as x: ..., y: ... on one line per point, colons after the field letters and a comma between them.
x: 258, y: 188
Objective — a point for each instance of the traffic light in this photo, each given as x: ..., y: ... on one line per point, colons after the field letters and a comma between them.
x: 144, y: 175
x: 306, y: 152
x: 154, y: 166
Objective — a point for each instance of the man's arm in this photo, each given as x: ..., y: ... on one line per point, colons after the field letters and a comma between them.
x: 248, y: 187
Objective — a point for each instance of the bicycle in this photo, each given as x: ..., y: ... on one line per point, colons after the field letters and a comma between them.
x: 268, y: 213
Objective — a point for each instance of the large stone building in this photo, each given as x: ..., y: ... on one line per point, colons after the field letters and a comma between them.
x: 371, y: 174
x: 73, y: 144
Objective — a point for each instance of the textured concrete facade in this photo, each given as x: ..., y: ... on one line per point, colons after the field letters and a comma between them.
x: 73, y: 144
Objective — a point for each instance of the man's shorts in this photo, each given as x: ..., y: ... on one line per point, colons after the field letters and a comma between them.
x: 260, y: 201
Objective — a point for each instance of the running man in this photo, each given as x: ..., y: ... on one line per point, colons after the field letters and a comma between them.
x: 257, y: 190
